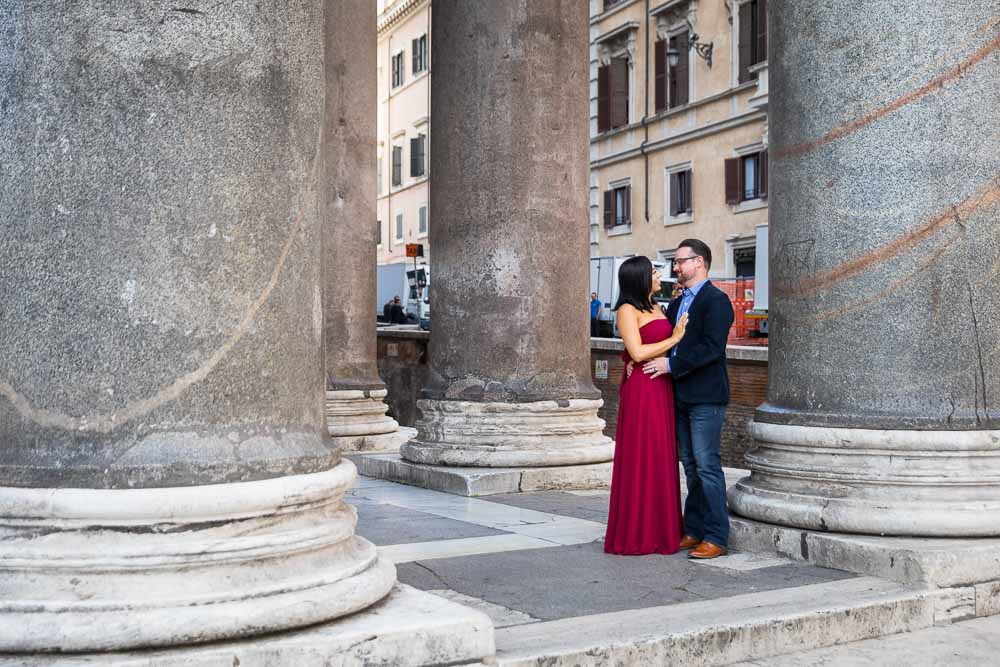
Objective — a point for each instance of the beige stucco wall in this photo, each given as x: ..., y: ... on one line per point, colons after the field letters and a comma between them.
x: 718, y: 121
x: 403, y: 113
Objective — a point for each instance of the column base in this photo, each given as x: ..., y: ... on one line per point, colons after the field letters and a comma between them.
x: 352, y: 415
x: 382, y: 443
x: 509, y: 435
x: 409, y: 628
x: 903, y: 483
x: 484, y: 481
x: 85, y: 570
x: 935, y: 562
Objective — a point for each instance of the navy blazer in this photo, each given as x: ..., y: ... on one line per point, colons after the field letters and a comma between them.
x: 699, y: 367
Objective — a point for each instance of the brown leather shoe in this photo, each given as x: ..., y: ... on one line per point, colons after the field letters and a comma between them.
x: 688, y: 542
x: 707, y: 550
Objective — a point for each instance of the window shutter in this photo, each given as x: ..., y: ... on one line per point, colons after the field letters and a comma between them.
x: 762, y: 166
x: 690, y: 190
x: 619, y: 92
x: 628, y: 204
x: 423, y: 154
x: 733, y: 181
x: 660, y: 68
x: 414, y: 54
x: 603, y: 98
x: 675, y: 188
x: 397, y: 165
x: 761, y: 54
x: 414, y: 157
x: 609, y: 209
x: 683, y: 70
x: 745, y: 37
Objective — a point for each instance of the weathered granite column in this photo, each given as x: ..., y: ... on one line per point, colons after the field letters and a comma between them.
x: 355, y: 412
x: 509, y: 351
x: 882, y: 412
x: 165, y: 477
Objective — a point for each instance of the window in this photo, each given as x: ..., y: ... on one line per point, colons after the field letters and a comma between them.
x: 422, y: 225
x: 679, y: 75
x: 618, y: 207
x: 608, y: 4
x: 399, y: 226
x: 612, y: 94
x: 746, y: 177
x: 750, y: 177
x: 679, y: 186
x: 752, y: 37
x: 419, y: 50
x: 418, y: 147
x: 745, y: 260
x: 397, y: 165
x: 378, y: 232
x: 672, y: 83
x: 397, y: 70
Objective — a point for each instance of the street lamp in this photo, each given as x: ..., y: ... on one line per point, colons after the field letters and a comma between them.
x: 673, y: 55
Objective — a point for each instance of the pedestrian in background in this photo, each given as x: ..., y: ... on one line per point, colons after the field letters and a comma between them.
x: 595, y: 314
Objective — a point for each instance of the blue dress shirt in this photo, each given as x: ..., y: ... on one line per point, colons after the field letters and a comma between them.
x: 687, y: 298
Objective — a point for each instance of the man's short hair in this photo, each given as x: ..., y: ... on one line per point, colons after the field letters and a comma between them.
x: 700, y: 248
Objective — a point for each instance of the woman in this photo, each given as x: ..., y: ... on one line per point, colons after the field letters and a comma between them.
x: 645, y: 513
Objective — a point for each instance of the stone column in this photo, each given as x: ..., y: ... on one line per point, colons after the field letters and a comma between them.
x: 882, y: 412
x: 164, y: 474
x: 509, y: 351
x: 355, y: 410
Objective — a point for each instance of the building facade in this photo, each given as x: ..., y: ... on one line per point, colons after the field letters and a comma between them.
x: 678, y: 127
x: 404, y: 89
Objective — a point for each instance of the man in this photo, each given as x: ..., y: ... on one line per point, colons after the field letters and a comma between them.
x: 397, y: 314
x: 701, y: 393
x: 595, y: 315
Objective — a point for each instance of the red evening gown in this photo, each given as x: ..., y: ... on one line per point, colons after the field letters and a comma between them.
x: 645, y: 512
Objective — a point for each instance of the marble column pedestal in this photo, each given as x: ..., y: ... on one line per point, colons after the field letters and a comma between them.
x: 100, y: 569
x: 357, y: 422
x: 477, y: 449
x: 877, y: 482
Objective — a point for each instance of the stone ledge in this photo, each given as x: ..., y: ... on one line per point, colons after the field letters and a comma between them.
x: 940, y: 563
x: 410, y: 628
x: 756, y: 625
x: 483, y: 481
x: 733, y: 352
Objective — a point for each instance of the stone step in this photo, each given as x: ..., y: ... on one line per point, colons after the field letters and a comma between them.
x: 723, y: 631
x: 975, y: 642
x: 476, y: 482
x: 409, y: 628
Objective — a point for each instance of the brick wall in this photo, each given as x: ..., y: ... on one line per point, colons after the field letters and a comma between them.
x: 402, y: 363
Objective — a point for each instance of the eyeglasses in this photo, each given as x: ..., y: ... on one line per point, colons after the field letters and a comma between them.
x: 681, y: 260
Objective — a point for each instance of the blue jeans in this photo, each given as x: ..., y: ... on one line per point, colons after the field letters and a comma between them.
x: 699, y: 431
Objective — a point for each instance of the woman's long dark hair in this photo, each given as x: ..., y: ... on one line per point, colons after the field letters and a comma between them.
x: 635, y: 282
